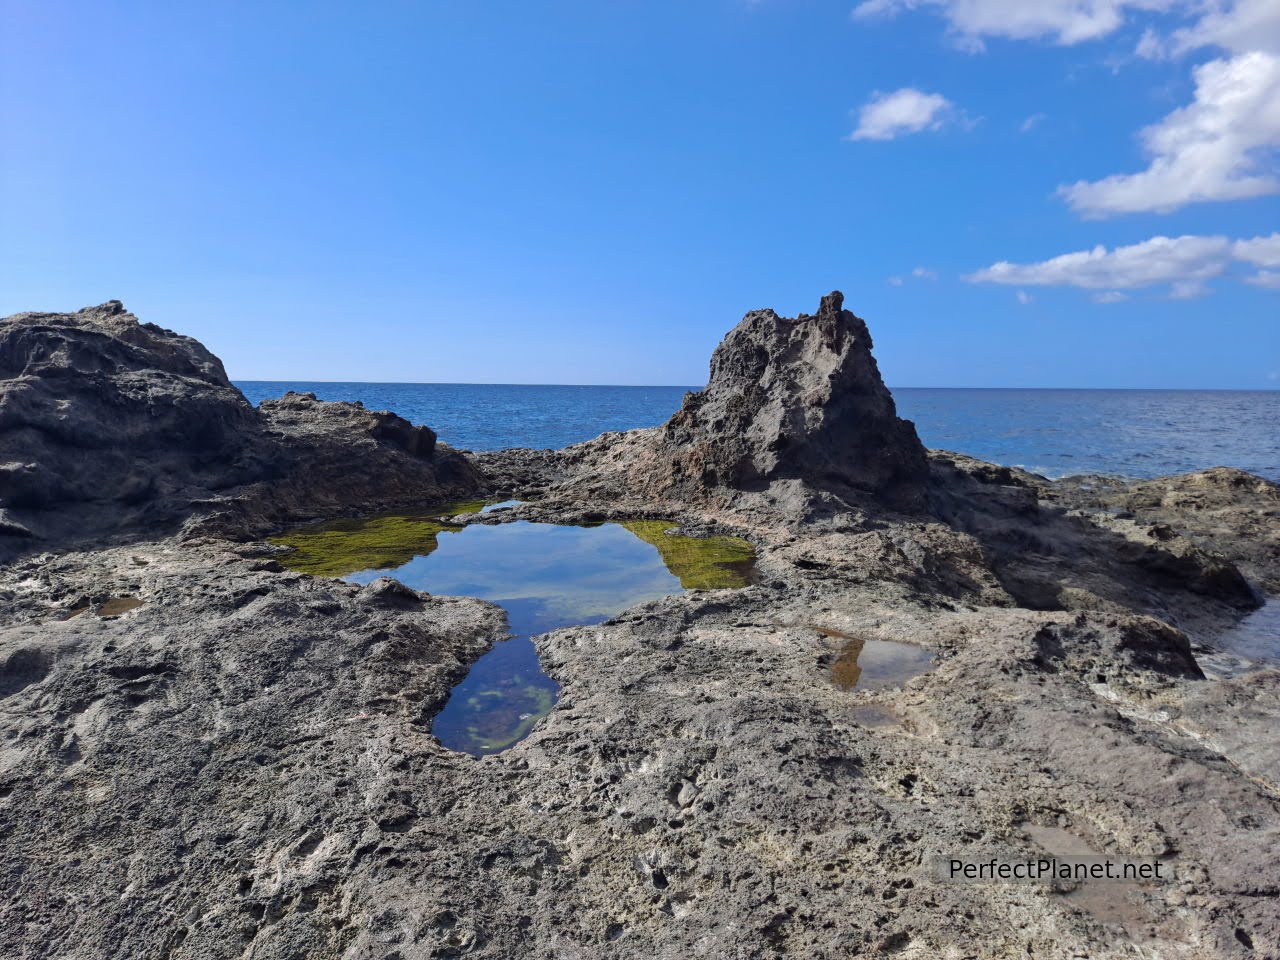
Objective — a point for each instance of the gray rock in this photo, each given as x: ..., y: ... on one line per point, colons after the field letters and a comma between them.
x: 792, y: 399
x: 205, y: 756
x: 97, y: 407
x: 111, y: 427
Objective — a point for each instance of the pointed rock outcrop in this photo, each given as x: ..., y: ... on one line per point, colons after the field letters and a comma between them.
x: 793, y: 399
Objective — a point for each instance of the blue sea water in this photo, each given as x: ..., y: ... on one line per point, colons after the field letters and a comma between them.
x: 1130, y: 433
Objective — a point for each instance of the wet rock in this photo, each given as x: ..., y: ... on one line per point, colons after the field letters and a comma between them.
x: 12, y: 528
x: 391, y: 594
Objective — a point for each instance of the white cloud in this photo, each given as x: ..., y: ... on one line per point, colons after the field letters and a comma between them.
x: 1064, y: 21
x: 1261, y: 251
x: 1151, y: 46
x: 1240, y: 27
x: 1032, y: 122
x: 1159, y: 260
x: 919, y: 273
x: 1268, y: 279
x: 1184, y: 264
x: 1213, y: 149
x: 1188, y: 290
x: 890, y: 115
x: 1025, y: 298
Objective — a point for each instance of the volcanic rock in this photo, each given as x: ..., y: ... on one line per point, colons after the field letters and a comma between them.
x: 95, y: 406
x: 337, y: 458
x: 794, y: 409
x: 204, y: 755
x: 109, y: 425
x: 801, y: 399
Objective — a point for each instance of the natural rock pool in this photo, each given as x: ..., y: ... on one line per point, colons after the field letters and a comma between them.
x: 545, y: 576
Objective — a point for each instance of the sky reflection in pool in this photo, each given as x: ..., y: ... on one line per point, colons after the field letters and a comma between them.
x: 545, y: 576
x: 1252, y: 644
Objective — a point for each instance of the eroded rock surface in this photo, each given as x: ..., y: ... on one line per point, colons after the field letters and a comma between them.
x: 795, y: 419
x: 792, y: 399
x: 203, y: 755
x: 95, y: 406
x: 109, y: 425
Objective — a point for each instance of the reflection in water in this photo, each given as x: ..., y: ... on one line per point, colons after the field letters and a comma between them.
x: 339, y: 547
x: 700, y: 563
x: 118, y: 605
x: 1252, y: 644
x: 545, y: 576
x: 845, y: 671
x: 876, y: 716
x: 1116, y: 902
x: 874, y: 664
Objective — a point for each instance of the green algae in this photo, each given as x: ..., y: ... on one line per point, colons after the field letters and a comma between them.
x: 699, y: 563
x: 545, y: 576
x: 336, y: 548
x: 508, y: 716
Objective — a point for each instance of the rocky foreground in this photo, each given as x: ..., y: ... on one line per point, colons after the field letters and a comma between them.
x: 204, y: 755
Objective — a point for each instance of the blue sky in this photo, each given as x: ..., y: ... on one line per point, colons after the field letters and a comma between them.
x: 595, y: 192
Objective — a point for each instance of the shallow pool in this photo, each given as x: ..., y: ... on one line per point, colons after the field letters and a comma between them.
x: 545, y: 576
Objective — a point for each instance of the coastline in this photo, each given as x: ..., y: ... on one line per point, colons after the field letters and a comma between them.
x: 1129, y: 434
x: 242, y: 762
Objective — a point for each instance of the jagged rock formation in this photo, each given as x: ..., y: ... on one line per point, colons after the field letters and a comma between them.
x: 95, y: 406
x: 340, y: 457
x: 1051, y: 554
x: 109, y: 424
x: 1229, y: 511
x: 795, y: 416
x: 203, y: 755
x: 794, y: 399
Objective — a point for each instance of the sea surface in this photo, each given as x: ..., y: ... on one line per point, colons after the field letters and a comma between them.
x: 1129, y: 433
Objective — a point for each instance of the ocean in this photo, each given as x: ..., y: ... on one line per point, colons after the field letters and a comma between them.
x: 1128, y: 433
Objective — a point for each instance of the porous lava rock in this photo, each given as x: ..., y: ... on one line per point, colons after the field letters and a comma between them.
x: 95, y: 406
x: 112, y: 426
x: 794, y: 399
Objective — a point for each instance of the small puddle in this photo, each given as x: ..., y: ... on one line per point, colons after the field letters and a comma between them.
x: 1252, y: 644
x: 118, y: 605
x: 545, y: 576
x: 874, y: 664
x: 877, y: 716
x: 1116, y: 902
x: 111, y: 607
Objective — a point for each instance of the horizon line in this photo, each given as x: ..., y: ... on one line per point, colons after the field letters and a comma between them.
x: 680, y: 386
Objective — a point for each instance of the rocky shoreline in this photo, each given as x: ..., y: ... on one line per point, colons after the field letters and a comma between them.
x: 205, y: 754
